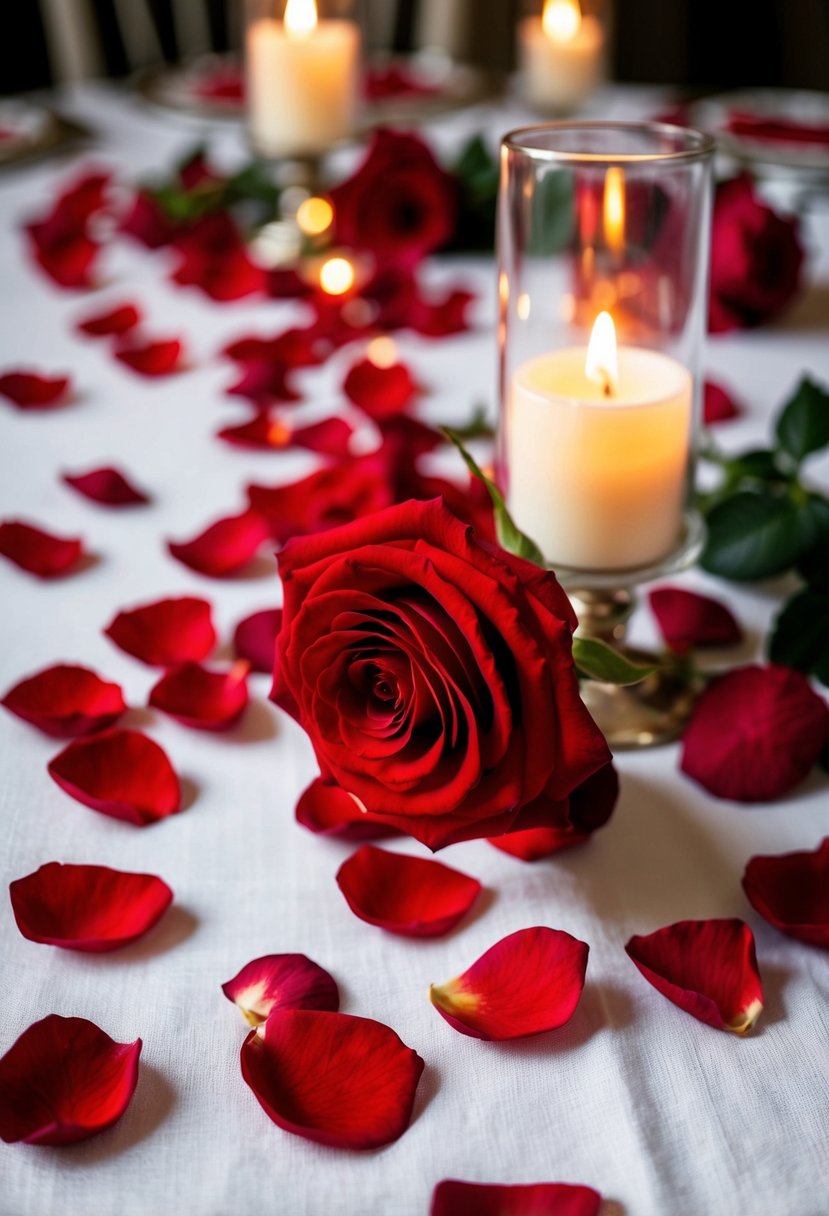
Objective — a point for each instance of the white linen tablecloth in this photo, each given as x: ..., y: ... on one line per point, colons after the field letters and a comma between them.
x: 661, y: 1113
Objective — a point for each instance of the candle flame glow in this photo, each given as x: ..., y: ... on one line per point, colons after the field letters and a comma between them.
x: 314, y: 216
x: 337, y: 276
x: 561, y: 20
x: 601, y: 365
x: 614, y: 209
x: 300, y: 18
x: 382, y: 352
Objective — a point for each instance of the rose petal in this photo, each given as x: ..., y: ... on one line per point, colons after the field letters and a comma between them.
x: 718, y: 405
x: 412, y: 896
x: 328, y: 810
x: 454, y: 1198
x: 205, y: 700
x: 40, y: 553
x: 281, y: 981
x: 158, y: 358
x: 687, y: 620
x: 706, y: 967
x: 224, y: 547
x: 442, y: 317
x: 112, y: 323
x: 588, y: 808
x: 332, y: 1078
x: 90, y: 908
x: 755, y: 733
x: 33, y: 391
x: 106, y: 486
x: 120, y: 773
x: 66, y: 700
x: 264, y: 381
x: 791, y: 892
x: 254, y: 639
x: 64, y: 1080
x: 146, y: 222
x: 527, y: 983
x: 381, y: 392
x: 166, y: 632
x: 266, y: 433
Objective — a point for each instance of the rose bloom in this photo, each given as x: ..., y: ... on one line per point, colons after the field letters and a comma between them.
x: 434, y: 675
x: 399, y: 205
x: 756, y: 258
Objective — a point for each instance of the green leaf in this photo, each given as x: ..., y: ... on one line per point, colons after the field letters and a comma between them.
x: 510, y: 537
x: 754, y: 536
x: 478, y: 426
x: 598, y: 661
x: 554, y: 216
x: 814, y: 563
x: 801, y: 634
x: 758, y: 464
x: 803, y: 426
x: 478, y: 170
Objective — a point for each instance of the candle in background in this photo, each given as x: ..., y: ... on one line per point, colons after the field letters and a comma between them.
x: 560, y: 56
x: 597, y: 452
x: 302, y: 80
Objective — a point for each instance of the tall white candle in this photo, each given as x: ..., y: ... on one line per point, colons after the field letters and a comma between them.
x: 560, y: 56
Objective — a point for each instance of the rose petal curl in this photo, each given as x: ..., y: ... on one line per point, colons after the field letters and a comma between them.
x: 281, y: 981
x: 66, y: 700
x: 791, y: 892
x: 120, y: 773
x: 410, y: 896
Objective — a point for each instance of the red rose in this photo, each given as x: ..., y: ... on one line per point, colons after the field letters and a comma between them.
x: 756, y: 258
x: 399, y: 205
x: 433, y: 674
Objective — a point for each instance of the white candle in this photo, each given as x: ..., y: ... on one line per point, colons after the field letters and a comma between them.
x: 560, y: 56
x: 302, y: 81
x: 598, y: 479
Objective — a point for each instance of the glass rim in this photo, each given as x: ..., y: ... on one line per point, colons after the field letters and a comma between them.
x: 701, y: 146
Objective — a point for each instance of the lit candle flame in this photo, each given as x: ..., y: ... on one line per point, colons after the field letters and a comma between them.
x: 601, y: 365
x: 314, y: 216
x: 614, y: 209
x: 300, y: 18
x: 561, y: 20
x: 337, y: 276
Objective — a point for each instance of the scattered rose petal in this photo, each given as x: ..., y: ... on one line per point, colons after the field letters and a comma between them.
x: 332, y: 1078
x: 281, y: 981
x: 292, y: 348
x: 106, y: 486
x: 120, y: 773
x: 328, y: 810
x: 264, y: 432
x: 214, y: 258
x: 527, y: 983
x: 454, y: 1198
x: 755, y: 733
x: 60, y: 239
x: 225, y: 546
x: 146, y: 222
x: 264, y: 381
x: 323, y: 499
x: 40, y: 553
x: 166, y: 632
x: 64, y: 1080
x: 412, y: 896
x: 717, y: 404
x: 159, y: 358
x: 205, y: 700
x: 33, y: 391
x: 706, y: 967
x: 687, y: 620
x: 791, y: 892
x: 90, y: 908
x: 588, y: 808
x: 381, y: 392
x: 65, y: 701
x: 112, y: 323
x: 445, y: 316
x: 254, y: 639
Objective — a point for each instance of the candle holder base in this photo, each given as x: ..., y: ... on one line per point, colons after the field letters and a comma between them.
x: 647, y: 714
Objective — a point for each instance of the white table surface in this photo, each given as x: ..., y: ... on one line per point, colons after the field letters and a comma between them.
x: 661, y: 1113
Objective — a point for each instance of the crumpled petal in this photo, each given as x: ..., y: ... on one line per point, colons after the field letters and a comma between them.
x: 112, y: 323
x: 263, y: 432
x: 224, y: 547
x: 454, y: 1198
x: 381, y: 392
x: 527, y: 983
x: 121, y: 773
x: 159, y: 358
x: 165, y: 632
x: 34, y: 391
x: 588, y: 808
x: 107, y: 486
x: 40, y: 553
x: 687, y: 620
x: 281, y: 981
x: 205, y: 700
x: 254, y: 639
x: 706, y: 967
x: 332, y: 1078
x: 717, y: 404
x: 89, y: 908
x: 66, y: 700
x: 791, y: 892
x: 412, y: 896
x: 64, y: 1080
x: 328, y: 810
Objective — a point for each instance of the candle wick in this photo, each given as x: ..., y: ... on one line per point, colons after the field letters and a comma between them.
x: 607, y: 387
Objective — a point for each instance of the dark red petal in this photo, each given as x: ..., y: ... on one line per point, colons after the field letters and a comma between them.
x: 440, y: 318
x: 328, y: 810
x: 40, y: 553
x: 166, y: 632
x: 107, y: 486
x: 755, y: 733
x: 66, y: 700
x: 113, y: 322
x: 533, y: 844
x: 706, y: 967
x: 225, y: 546
x: 266, y: 433
x: 64, y: 1080
x: 254, y: 639
x: 454, y: 1198
x: 120, y: 773
x: 718, y: 405
x: 153, y: 358
x: 89, y: 908
x: 380, y: 391
x: 688, y: 620
x: 32, y: 391
x: 412, y: 896
x: 562, y: 825
x: 281, y: 981
x: 205, y: 700
x: 335, y: 1079
x: 791, y: 892
x: 527, y: 983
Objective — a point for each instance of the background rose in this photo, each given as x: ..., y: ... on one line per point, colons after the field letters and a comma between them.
x: 433, y: 674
